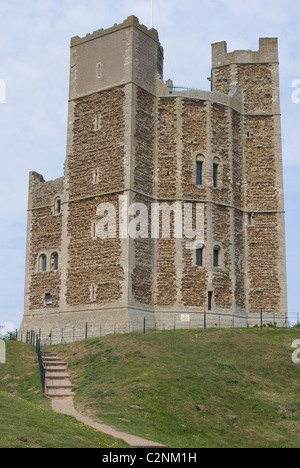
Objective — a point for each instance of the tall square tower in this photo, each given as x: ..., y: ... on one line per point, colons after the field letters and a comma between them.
x: 206, y: 166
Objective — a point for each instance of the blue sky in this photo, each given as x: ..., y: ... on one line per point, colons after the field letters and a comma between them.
x: 34, y: 64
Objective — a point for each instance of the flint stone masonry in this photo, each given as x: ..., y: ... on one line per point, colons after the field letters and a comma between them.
x: 130, y: 133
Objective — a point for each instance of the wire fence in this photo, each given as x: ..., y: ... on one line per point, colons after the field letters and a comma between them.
x: 168, y: 321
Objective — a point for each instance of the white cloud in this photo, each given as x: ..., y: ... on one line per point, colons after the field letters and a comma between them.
x: 8, y: 327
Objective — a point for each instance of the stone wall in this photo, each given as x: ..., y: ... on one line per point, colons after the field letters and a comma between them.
x: 131, y: 135
x: 44, y: 238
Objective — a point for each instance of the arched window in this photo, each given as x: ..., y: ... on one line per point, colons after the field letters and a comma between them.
x: 200, y: 159
x: 54, y: 261
x: 217, y: 173
x: 217, y: 255
x: 43, y: 263
x: 199, y: 257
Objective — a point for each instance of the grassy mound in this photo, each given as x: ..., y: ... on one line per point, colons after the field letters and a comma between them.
x: 205, y: 388
x: 26, y: 418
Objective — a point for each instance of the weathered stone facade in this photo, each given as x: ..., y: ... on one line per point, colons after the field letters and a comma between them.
x: 131, y: 134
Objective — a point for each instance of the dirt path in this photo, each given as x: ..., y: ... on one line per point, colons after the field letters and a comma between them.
x: 66, y: 406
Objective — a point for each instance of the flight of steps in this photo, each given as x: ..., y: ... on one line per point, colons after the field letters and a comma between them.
x: 57, y: 381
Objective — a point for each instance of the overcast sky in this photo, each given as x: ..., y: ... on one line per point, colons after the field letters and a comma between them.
x: 34, y: 65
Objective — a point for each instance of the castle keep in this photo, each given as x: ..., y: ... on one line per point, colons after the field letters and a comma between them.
x: 130, y: 133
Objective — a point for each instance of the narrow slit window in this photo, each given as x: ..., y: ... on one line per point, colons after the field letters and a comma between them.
x: 199, y: 257
x: 210, y: 300
x: 199, y: 176
x: 57, y: 205
x: 93, y: 293
x: 97, y: 123
x: 215, y: 174
x: 54, y: 261
x: 96, y: 176
x: 99, y: 69
x: 94, y: 232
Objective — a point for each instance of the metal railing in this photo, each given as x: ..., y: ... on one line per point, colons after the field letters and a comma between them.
x: 171, y: 321
x: 41, y: 358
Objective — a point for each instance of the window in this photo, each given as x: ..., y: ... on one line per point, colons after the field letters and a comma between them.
x: 94, y: 230
x: 93, y: 292
x: 57, y: 205
x: 199, y: 176
x: 96, y: 176
x: 200, y: 160
x: 210, y: 300
x: 54, y: 261
x: 215, y: 174
x: 97, y: 123
x: 199, y: 257
x: 250, y: 219
x: 48, y: 300
x: 216, y: 257
x: 43, y: 263
x: 99, y: 69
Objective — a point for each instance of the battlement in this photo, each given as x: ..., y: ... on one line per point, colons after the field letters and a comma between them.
x: 267, y: 53
x: 129, y: 22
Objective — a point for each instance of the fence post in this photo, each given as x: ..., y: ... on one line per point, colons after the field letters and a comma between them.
x: 144, y: 325
x: 86, y: 330
x: 261, y: 319
x: 204, y: 320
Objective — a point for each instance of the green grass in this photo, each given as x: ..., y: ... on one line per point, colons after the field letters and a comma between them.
x: 205, y: 388
x: 26, y: 418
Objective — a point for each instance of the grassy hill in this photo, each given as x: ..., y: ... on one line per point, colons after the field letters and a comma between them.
x: 205, y: 388
x: 26, y: 418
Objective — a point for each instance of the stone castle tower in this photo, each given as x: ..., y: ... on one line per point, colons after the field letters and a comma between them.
x: 131, y: 134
